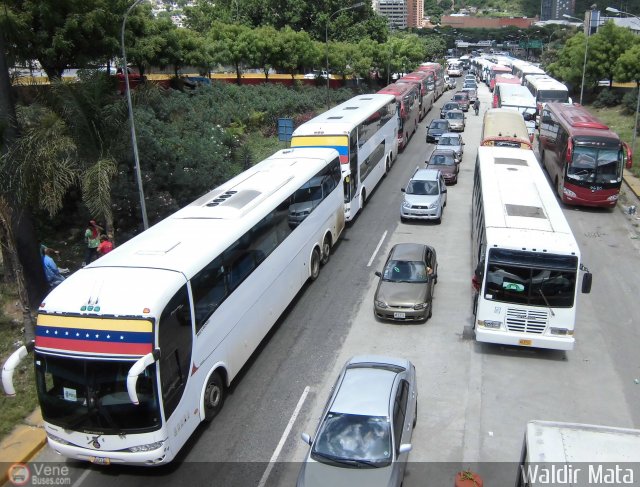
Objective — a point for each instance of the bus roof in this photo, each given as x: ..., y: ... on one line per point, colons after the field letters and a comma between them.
x: 192, y: 237
x: 579, y: 121
x: 552, y: 442
x: 507, y: 78
x: 343, y: 118
x: 398, y: 89
x: 515, y: 95
x: 545, y: 82
x: 520, y: 209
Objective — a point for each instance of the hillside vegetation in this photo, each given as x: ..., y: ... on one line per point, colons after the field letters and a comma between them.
x: 531, y: 8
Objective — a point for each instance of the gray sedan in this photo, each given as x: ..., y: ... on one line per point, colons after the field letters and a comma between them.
x: 405, y: 289
x: 453, y: 142
x: 364, y: 436
x: 456, y: 120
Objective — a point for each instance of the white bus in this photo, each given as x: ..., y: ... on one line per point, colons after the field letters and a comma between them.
x: 545, y: 89
x: 135, y: 350
x: 364, y: 131
x: 525, y: 258
x: 579, y: 455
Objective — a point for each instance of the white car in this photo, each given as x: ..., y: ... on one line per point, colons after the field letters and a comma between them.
x: 454, y: 69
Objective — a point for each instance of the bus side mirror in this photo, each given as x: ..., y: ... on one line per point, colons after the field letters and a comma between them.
x: 136, y: 369
x: 586, y: 283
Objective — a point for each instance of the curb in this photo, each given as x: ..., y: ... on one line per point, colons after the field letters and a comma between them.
x: 632, y: 182
x: 23, y: 443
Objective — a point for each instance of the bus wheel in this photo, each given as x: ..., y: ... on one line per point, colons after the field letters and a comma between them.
x: 213, y: 397
x: 363, y: 195
x: 559, y: 188
x: 326, y: 250
x: 315, y: 264
x: 387, y: 166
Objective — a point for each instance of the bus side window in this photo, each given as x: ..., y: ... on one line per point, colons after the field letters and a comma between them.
x: 175, y: 338
x: 208, y: 289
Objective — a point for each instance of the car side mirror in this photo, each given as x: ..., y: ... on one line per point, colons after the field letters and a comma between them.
x: 378, y: 273
x: 444, y: 190
x: 402, y: 189
x: 405, y: 448
x: 587, y: 279
x: 306, y: 438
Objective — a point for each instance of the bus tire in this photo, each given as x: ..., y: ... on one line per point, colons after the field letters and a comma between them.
x: 214, y: 395
x: 387, y: 165
x: 559, y: 189
x: 363, y: 196
x: 314, y: 264
x: 326, y: 249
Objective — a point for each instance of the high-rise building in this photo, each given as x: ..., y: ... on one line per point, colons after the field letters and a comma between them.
x: 394, y: 10
x: 415, y: 13
x: 555, y: 9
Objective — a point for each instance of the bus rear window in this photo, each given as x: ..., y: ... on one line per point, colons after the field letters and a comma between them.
x: 545, y: 96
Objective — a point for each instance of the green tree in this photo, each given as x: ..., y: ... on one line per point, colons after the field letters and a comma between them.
x: 570, y: 61
x: 266, y: 48
x: 606, y: 47
x: 628, y: 66
x: 62, y: 34
x: 232, y: 45
x: 296, y: 50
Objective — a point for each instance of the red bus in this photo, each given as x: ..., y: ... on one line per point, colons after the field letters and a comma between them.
x: 438, y: 76
x: 408, y: 110
x: 584, y: 158
x: 426, y: 94
x: 494, y: 71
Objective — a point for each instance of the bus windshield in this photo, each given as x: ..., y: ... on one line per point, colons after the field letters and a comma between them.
x: 596, y: 165
x: 91, y: 395
x: 534, y: 280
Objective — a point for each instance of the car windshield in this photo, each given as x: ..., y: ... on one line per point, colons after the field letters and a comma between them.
x: 449, y: 141
x: 442, y: 160
x: 438, y: 125
x: 405, y: 271
x: 455, y: 115
x: 425, y: 188
x: 353, y: 440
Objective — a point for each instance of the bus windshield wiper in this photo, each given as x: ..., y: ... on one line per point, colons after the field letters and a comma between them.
x: 546, y: 302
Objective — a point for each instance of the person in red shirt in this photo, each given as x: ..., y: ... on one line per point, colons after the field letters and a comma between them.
x: 105, y: 245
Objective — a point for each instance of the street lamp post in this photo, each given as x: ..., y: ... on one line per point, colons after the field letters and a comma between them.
x: 134, y: 141
x: 326, y: 41
x: 586, y: 50
x: 635, y: 126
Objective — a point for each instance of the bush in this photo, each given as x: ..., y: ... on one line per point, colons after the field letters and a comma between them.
x: 630, y: 102
x: 607, y: 98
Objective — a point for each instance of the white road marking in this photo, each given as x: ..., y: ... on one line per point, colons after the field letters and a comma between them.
x: 84, y: 475
x: 283, y: 439
x: 377, y: 248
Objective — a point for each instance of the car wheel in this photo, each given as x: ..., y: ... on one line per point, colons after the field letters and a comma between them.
x: 214, y: 396
x: 430, y: 310
x: 403, y: 219
x: 326, y: 250
x: 315, y: 264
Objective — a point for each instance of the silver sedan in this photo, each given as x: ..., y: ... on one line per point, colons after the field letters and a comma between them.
x: 364, y: 436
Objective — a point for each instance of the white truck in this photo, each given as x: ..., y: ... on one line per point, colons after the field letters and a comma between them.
x: 578, y: 455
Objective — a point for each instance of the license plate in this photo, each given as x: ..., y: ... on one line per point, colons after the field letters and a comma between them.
x: 399, y: 315
x: 526, y: 343
x: 100, y: 461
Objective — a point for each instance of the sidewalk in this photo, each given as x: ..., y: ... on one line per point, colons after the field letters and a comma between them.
x: 23, y: 443
x: 633, y: 183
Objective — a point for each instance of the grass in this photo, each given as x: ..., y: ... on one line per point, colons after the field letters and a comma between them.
x: 262, y: 147
x: 620, y: 123
x: 14, y: 409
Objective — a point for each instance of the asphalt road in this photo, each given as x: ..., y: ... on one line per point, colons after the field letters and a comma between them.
x: 474, y: 399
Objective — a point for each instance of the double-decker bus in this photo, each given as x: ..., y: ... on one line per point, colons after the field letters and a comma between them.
x: 408, y: 110
x: 583, y: 156
x: 426, y: 95
x: 136, y: 349
x: 364, y: 131
x: 438, y: 74
x: 525, y: 258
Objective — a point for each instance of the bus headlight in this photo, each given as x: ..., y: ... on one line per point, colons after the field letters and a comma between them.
x: 57, y: 439
x: 568, y: 192
x: 381, y: 304
x: 560, y: 331
x: 613, y: 197
x: 490, y: 324
x: 148, y: 447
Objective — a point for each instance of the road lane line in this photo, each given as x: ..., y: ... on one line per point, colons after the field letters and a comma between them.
x: 283, y: 439
x: 377, y: 248
x: 84, y: 475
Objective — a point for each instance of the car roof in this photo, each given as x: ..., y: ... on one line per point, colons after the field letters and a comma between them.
x: 365, y: 390
x: 443, y: 152
x: 426, y: 175
x: 408, y: 251
x: 455, y: 110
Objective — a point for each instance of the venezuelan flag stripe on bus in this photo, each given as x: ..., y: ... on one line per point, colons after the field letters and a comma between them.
x: 94, y: 335
x: 337, y: 142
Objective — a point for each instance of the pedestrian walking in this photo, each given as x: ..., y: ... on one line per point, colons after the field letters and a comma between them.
x: 92, y: 239
x: 476, y: 106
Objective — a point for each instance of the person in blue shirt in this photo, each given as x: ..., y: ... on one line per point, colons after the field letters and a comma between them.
x: 51, y: 271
